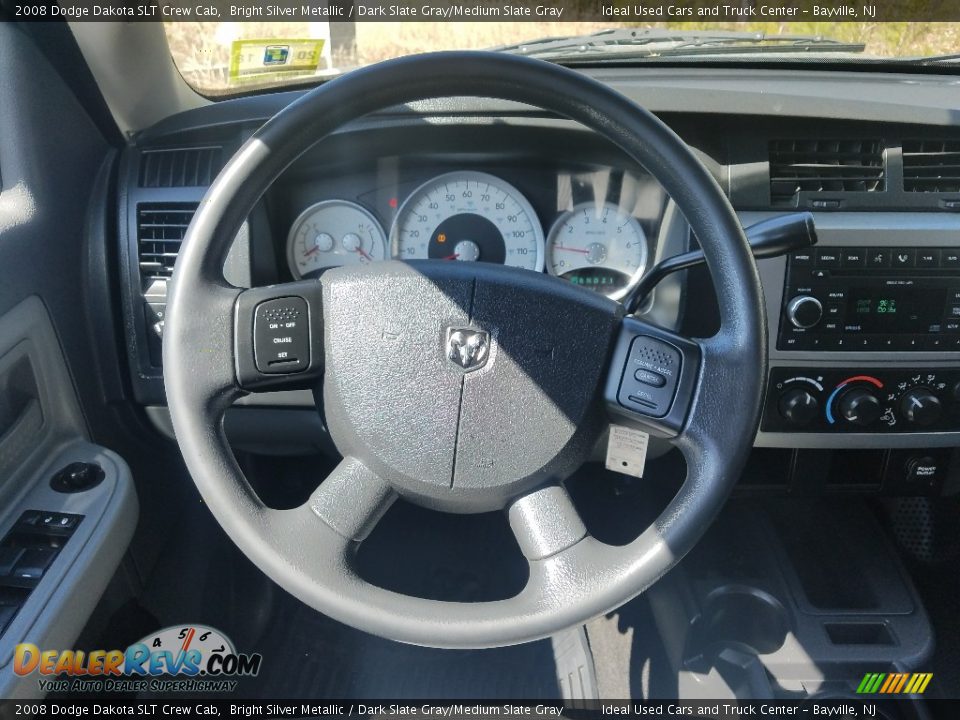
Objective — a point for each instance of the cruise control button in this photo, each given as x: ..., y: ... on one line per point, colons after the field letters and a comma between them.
x: 281, y: 336
x: 650, y: 378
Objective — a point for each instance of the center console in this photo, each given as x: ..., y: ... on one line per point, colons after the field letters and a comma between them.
x: 864, y: 335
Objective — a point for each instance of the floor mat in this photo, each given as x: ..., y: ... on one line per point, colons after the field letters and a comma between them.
x: 308, y: 655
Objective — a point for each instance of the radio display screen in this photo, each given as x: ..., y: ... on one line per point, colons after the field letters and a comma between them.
x: 895, y: 310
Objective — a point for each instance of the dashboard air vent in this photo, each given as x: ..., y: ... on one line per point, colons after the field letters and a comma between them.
x: 824, y: 166
x: 160, y: 230
x: 179, y: 167
x: 931, y: 165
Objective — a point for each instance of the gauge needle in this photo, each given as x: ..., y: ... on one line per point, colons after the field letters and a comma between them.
x: 570, y: 249
x: 454, y: 256
x: 363, y: 254
x: 311, y: 251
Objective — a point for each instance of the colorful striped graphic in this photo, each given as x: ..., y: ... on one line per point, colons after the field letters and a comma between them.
x: 894, y: 683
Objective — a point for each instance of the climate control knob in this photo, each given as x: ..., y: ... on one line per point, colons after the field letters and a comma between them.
x: 921, y: 407
x: 859, y: 406
x: 798, y: 406
x: 804, y: 311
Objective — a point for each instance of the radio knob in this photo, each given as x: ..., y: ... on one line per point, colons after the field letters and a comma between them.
x: 798, y: 406
x: 921, y: 407
x: 804, y: 311
x: 859, y: 406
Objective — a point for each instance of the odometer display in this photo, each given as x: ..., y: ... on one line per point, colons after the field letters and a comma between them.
x: 468, y: 216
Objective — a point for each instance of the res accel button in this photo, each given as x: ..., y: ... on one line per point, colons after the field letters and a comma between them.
x: 281, y: 336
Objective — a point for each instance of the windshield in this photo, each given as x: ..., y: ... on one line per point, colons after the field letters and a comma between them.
x: 228, y: 58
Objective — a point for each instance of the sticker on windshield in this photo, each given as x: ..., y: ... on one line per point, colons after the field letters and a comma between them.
x: 261, y: 59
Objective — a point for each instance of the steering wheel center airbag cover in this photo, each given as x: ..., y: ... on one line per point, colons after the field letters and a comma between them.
x: 463, y: 438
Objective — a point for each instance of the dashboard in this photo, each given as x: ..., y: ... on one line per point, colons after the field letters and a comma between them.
x: 590, y: 223
x: 864, y: 352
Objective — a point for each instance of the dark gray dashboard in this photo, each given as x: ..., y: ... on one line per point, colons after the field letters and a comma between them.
x: 775, y: 140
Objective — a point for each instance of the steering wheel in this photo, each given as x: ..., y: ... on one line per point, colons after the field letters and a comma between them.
x: 463, y: 387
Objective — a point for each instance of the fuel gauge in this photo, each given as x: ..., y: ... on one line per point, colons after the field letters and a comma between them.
x: 333, y: 233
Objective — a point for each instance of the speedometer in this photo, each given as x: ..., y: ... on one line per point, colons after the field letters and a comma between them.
x: 468, y: 216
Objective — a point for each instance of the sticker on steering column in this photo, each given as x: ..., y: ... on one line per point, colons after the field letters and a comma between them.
x: 627, y: 450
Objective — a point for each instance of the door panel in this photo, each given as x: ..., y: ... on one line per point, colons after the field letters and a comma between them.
x: 60, y: 542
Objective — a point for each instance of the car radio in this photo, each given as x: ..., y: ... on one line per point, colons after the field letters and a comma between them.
x: 871, y: 299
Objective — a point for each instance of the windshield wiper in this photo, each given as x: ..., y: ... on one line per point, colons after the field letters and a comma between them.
x: 932, y: 59
x: 656, y: 42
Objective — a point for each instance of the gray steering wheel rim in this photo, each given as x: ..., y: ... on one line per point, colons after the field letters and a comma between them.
x: 311, y: 558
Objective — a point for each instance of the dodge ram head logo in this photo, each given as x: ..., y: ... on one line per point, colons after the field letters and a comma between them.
x: 468, y: 348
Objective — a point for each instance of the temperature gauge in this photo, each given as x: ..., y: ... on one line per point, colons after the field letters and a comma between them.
x: 333, y: 233
x: 599, y: 246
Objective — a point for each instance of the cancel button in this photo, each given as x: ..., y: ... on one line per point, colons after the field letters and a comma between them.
x: 648, y: 377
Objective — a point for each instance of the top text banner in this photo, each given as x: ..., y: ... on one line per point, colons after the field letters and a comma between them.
x: 614, y: 11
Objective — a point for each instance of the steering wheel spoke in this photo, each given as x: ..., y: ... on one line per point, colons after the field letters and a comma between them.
x: 545, y: 522
x: 278, y: 339
x: 352, y: 500
x: 653, y: 379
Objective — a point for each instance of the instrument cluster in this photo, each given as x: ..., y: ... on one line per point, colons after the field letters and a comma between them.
x: 596, y: 227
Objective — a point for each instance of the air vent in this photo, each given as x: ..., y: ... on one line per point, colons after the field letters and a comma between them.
x: 179, y: 167
x: 931, y: 166
x: 824, y: 166
x: 160, y: 230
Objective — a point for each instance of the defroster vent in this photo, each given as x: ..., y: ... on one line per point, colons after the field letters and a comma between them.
x: 180, y: 167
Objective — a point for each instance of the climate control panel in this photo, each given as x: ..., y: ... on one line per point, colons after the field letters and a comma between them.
x: 875, y: 400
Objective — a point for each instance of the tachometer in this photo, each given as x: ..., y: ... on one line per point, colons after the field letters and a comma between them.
x: 599, y: 246
x: 468, y: 216
x: 333, y: 233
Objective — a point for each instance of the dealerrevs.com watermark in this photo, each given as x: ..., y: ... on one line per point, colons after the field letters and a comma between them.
x: 191, y: 658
